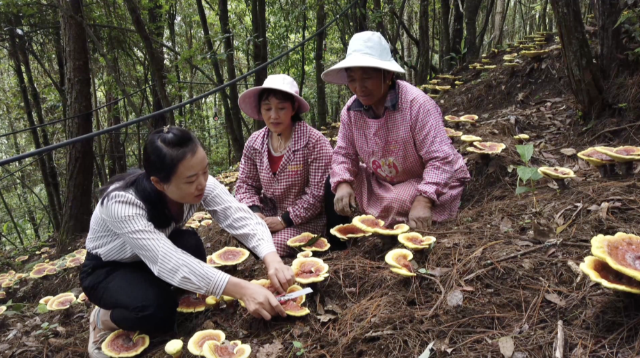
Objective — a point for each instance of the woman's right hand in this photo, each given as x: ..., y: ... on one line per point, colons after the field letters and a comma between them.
x: 258, y: 300
x: 345, y: 199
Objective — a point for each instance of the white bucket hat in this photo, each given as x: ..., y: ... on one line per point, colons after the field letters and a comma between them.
x: 366, y: 49
x: 248, y: 100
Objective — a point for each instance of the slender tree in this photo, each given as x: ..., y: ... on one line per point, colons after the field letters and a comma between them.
x: 471, y: 9
x: 445, y: 37
x: 260, y: 46
x: 609, y: 36
x: 321, y: 96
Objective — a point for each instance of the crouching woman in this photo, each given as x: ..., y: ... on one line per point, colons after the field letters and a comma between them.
x: 138, y: 252
x: 285, y: 164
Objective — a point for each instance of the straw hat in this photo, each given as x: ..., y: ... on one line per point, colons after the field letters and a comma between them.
x: 366, y: 49
x: 248, y: 100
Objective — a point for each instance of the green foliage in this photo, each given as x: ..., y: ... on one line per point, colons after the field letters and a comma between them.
x: 630, y: 22
x: 298, y: 348
x: 46, y: 327
x: 527, y: 175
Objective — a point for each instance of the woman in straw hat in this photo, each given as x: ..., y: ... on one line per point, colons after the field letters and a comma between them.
x: 284, y: 165
x: 393, y: 158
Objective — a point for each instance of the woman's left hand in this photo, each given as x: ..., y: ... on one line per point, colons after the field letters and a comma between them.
x: 420, y: 214
x: 280, y: 275
x: 274, y: 224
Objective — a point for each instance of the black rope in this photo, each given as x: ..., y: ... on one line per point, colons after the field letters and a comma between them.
x: 74, y: 116
x: 172, y: 108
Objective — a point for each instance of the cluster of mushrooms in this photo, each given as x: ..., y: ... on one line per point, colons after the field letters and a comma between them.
x: 210, y: 343
x: 198, y: 219
x: 441, y: 84
x: 607, y: 159
x: 614, y: 263
x: 531, y: 47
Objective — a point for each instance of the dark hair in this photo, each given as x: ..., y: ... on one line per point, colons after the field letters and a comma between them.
x: 282, y: 96
x: 163, y: 152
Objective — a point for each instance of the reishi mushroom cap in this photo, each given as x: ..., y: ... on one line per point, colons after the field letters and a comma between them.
x: 470, y: 138
x: 125, y: 344
x: 452, y: 133
x: 556, y: 172
x: 621, y: 154
x: 458, y: 83
x: 511, y: 64
x: 197, y: 341
x: 22, y: 258
x: 212, y: 262
x: 300, y: 240
x: 45, y: 300
x: 226, y: 349
x: 309, y: 270
x: 207, y: 222
x: 533, y: 53
x: 600, y: 271
x: 594, y: 157
x: 230, y: 255
x: 443, y: 88
x: 348, y: 231
x: 3, y: 309
x: 620, y: 251
x: 304, y: 254
x: 416, y: 241
x: 82, y: 298
x: 39, y: 271
x: 521, y: 137
x: 321, y: 245
x: 294, y: 307
x: 61, y: 301
x: 487, y: 148
x: 451, y: 118
x: 470, y: 118
x: 3, y: 294
x: 397, y: 230
x: 400, y: 260
x: 174, y: 348
x: 192, y: 302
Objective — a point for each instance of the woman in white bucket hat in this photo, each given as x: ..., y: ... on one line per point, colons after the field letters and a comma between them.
x: 284, y: 165
x: 393, y: 158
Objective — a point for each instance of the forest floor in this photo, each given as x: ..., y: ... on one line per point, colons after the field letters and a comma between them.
x: 502, y: 278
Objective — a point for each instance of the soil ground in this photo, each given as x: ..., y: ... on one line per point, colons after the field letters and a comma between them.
x: 505, y: 271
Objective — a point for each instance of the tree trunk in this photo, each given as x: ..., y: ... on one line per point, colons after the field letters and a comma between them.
x: 52, y: 172
x: 498, y: 23
x: 485, y: 25
x: 171, y: 23
x: 471, y: 9
x: 156, y: 62
x: 80, y: 155
x: 321, y: 96
x: 303, y: 54
x: 52, y: 201
x: 60, y: 62
x: 116, y: 155
x: 424, y: 64
x: 445, y: 39
x: 607, y: 13
x: 236, y: 115
x: 583, y: 73
x: 361, y: 15
x: 13, y: 220
x: 542, y: 26
x: 237, y: 143
x: 458, y: 28
x: 260, y: 46
x: 377, y: 9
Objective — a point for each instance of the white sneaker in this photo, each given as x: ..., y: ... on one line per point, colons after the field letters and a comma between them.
x: 95, y: 340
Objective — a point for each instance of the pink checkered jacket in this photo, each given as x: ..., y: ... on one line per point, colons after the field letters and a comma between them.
x: 297, y: 187
x: 391, y: 160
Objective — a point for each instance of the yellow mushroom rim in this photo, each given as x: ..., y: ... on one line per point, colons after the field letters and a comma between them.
x: 511, y: 64
x: 452, y: 119
x: 458, y: 83
x: 300, y: 240
x: 309, y: 270
x: 82, y: 298
x: 125, y: 344
x: 191, y: 303
x: 335, y: 139
x: 621, y: 154
x: 621, y: 251
x: 470, y: 138
x: 433, y: 95
x: 443, y: 88
x: 446, y: 77
x: 211, y: 301
x: 416, y: 241
x: 470, y: 118
x: 266, y: 283
x: 294, y: 307
x: 556, y: 172
x: 45, y: 300
x: 521, y: 137
x: 487, y: 148
x: 400, y: 260
x: 61, y: 301
x: 431, y: 87
x: 489, y: 67
x: 601, y: 272
x: 22, y: 258
x: 475, y: 65
x: 397, y: 230
x: 348, y: 231
x: 20, y: 276
x: 595, y: 157
x: 8, y: 283
x: 197, y: 341
x: 434, y: 82
x: 452, y: 132
x: 484, y: 60
x: 3, y: 294
x: 367, y: 223
x: 230, y: 256
x: 511, y: 57
x: 321, y: 245
x: 39, y: 272
x: 226, y: 349
x: 3, y: 309
x: 174, y: 347
x: 207, y: 222
x: 212, y: 262
x: 533, y: 54
x: 304, y: 254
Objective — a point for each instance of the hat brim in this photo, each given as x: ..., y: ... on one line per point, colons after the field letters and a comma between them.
x: 338, y: 76
x: 248, y: 102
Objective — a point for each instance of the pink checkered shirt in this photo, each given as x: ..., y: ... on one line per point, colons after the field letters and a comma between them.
x: 297, y: 187
x: 391, y: 160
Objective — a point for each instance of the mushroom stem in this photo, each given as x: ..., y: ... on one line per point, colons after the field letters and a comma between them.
x: 625, y: 168
x: 562, y: 184
x: 611, y: 169
x: 604, y: 171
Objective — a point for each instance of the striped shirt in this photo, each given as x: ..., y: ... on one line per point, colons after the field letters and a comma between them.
x: 121, y: 232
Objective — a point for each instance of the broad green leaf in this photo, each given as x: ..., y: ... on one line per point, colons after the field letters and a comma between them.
x: 524, y: 173
x: 297, y: 344
x: 525, y: 151
x: 42, y: 308
x: 535, y: 175
x: 422, y: 270
x: 522, y: 190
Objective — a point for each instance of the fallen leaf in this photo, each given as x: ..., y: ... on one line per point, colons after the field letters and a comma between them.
x: 522, y: 243
x: 519, y: 355
x: 568, y: 151
x: 467, y: 289
x: 555, y: 299
x: 454, y: 298
x: 438, y: 271
x: 527, y: 264
x: 506, y: 346
x: 561, y: 228
x: 270, y: 350
x: 550, y: 252
x: 326, y: 317
x: 505, y: 224
x: 333, y: 307
x: 427, y: 352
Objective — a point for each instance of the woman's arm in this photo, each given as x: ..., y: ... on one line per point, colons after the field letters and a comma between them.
x: 249, y: 186
x: 310, y: 204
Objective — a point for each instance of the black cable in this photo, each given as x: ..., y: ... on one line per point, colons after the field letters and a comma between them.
x: 74, y: 116
x: 174, y: 107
